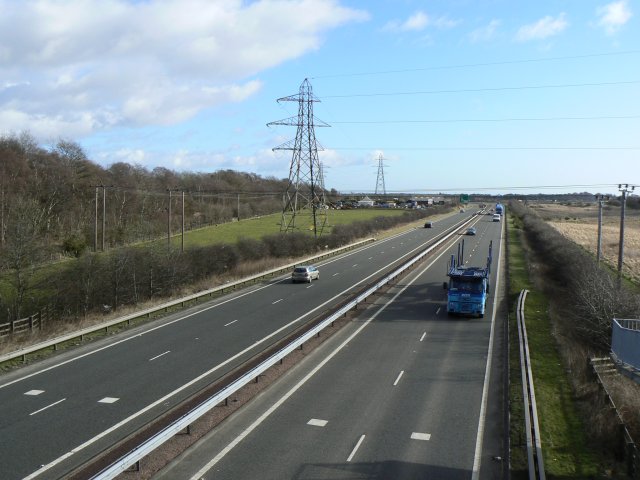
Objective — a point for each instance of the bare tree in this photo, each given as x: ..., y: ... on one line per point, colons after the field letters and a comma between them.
x: 22, y: 251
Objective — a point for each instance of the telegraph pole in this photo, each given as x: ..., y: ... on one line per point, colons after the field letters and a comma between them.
x: 169, y: 220
x: 95, y: 224
x: 182, y: 239
x: 104, y: 213
x: 600, y: 198
x: 624, y: 189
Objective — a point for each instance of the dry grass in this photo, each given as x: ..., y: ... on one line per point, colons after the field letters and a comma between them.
x: 580, y: 224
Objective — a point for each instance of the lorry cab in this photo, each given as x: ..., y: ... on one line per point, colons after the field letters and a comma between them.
x: 468, y: 287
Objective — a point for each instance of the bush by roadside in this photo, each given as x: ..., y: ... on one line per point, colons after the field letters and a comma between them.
x: 581, y: 301
x: 132, y: 275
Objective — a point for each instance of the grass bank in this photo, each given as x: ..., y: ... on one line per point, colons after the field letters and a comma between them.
x: 258, y: 227
x: 567, y: 453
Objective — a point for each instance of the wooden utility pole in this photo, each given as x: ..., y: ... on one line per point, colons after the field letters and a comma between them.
x: 169, y: 220
x: 624, y: 188
x: 182, y: 246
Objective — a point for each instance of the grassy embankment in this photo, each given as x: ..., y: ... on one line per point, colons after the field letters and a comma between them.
x: 565, y: 447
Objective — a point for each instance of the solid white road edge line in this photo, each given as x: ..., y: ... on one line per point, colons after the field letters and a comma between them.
x: 48, y: 406
x: 304, y: 380
x: 355, y: 449
x: 475, y: 474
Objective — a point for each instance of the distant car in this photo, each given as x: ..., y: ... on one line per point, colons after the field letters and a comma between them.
x: 305, y: 273
x: 462, y: 210
x: 428, y: 225
x: 470, y: 231
x: 496, y: 217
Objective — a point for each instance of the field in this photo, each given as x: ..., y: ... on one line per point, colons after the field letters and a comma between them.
x: 269, y: 224
x: 580, y: 224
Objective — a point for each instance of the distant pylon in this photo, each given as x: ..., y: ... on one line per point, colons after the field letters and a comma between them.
x: 304, y: 196
x: 380, y: 188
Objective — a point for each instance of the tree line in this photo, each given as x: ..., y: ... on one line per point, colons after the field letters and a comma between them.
x: 56, y: 187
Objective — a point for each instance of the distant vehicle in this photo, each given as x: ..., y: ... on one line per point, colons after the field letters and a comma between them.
x: 499, y: 208
x: 496, y: 217
x: 462, y: 210
x: 428, y: 225
x: 468, y: 287
x: 305, y: 273
x: 470, y: 231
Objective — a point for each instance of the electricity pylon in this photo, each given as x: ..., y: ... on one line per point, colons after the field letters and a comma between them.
x: 304, y: 196
x: 380, y: 188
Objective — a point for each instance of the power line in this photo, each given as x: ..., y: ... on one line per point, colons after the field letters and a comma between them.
x: 474, y: 65
x: 491, y: 89
x: 630, y: 148
x: 491, y: 120
x: 436, y: 190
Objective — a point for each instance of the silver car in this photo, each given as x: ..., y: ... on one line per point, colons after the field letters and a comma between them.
x: 305, y: 273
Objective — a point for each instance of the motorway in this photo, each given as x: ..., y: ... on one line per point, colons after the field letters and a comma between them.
x: 402, y: 392
x: 59, y: 412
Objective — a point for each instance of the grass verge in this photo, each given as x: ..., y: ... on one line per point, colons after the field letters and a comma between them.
x: 566, y: 451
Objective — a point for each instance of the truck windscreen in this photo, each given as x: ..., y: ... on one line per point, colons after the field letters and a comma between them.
x: 466, y: 286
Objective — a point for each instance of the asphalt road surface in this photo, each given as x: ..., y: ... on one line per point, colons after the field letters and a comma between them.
x: 402, y: 392
x: 59, y: 412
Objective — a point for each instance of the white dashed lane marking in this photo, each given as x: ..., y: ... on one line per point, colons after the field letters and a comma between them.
x: 420, y: 436
x: 355, y: 449
x: 34, y: 392
x: 277, y: 301
x: 423, y: 336
x: 48, y: 406
x: 108, y: 400
x: 227, y: 324
x: 399, y: 377
x: 158, y: 356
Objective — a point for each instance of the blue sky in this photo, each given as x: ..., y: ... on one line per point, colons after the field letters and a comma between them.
x: 456, y: 95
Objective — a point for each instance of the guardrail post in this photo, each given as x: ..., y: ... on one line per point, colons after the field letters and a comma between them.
x: 31, y: 323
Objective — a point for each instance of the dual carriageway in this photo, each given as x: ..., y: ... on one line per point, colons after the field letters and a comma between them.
x: 403, y: 391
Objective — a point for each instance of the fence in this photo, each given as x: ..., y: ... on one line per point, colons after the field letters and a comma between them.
x: 625, y: 342
x: 165, y: 307
x: 623, y: 445
x: 25, y: 325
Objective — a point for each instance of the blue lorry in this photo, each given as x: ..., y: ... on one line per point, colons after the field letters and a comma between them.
x: 499, y: 209
x: 468, y: 287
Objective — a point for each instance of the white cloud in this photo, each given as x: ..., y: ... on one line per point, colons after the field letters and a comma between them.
x: 543, y: 28
x: 419, y: 21
x: 486, y: 33
x: 72, y: 67
x: 613, y: 16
